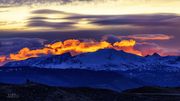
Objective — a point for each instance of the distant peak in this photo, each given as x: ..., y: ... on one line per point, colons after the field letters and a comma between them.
x: 156, y: 55
x: 153, y: 55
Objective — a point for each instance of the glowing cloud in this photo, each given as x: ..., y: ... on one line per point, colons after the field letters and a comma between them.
x: 2, y: 58
x: 127, y: 46
x: 74, y: 47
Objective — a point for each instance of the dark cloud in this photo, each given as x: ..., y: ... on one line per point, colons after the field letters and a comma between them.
x: 48, y: 11
x: 150, y: 20
x: 140, y: 20
x: 90, y: 16
x: 34, y: 2
x: 151, y: 28
x: 129, y: 22
x: 41, y: 18
x: 47, y: 24
x: 57, y: 35
x: 143, y: 20
x: 38, y: 18
x: 41, y: 21
x: 110, y: 38
x: 13, y: 45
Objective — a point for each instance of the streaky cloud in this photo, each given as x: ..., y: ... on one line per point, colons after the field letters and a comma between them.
x: 145, y: 37
x: 47, y: 24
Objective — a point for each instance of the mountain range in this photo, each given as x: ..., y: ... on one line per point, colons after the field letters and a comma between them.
x: 106, y: 68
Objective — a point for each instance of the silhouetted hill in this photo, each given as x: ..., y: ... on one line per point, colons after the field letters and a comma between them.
x: 174, y: 90
x: 38, y: 92
x: 69, y: 78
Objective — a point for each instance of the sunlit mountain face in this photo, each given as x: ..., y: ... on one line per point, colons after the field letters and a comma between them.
x: 75, y: 47
x: 32, y: 28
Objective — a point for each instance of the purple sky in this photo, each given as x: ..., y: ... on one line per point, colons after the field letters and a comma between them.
x: 30, y: 21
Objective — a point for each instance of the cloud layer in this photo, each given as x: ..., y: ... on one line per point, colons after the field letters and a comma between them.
x: 13, y: 45
x: 148, y: 48
x: 32, y: 2
x: 96, y: 21
x: 155, y: 32
x: 145, y: 37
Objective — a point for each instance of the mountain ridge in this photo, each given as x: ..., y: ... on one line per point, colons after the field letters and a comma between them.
x: 110, y: 69
x: 105, y: 59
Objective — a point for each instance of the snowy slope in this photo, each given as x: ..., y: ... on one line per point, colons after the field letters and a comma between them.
x: 106, y: 59
x: 106, y: 68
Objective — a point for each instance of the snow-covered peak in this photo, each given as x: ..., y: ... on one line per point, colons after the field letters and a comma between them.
x: 56, y: 59
x: 105, y: 59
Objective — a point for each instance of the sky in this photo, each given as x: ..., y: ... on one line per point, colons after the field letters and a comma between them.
x: 154, y: 24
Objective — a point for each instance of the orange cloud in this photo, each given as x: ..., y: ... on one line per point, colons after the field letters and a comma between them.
x: 127, y: 46
x: 2, y: 59
x: 74, y: 47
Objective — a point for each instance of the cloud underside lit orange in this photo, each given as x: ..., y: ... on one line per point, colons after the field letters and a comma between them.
x: 75, y: 47
x: 145, y: 37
